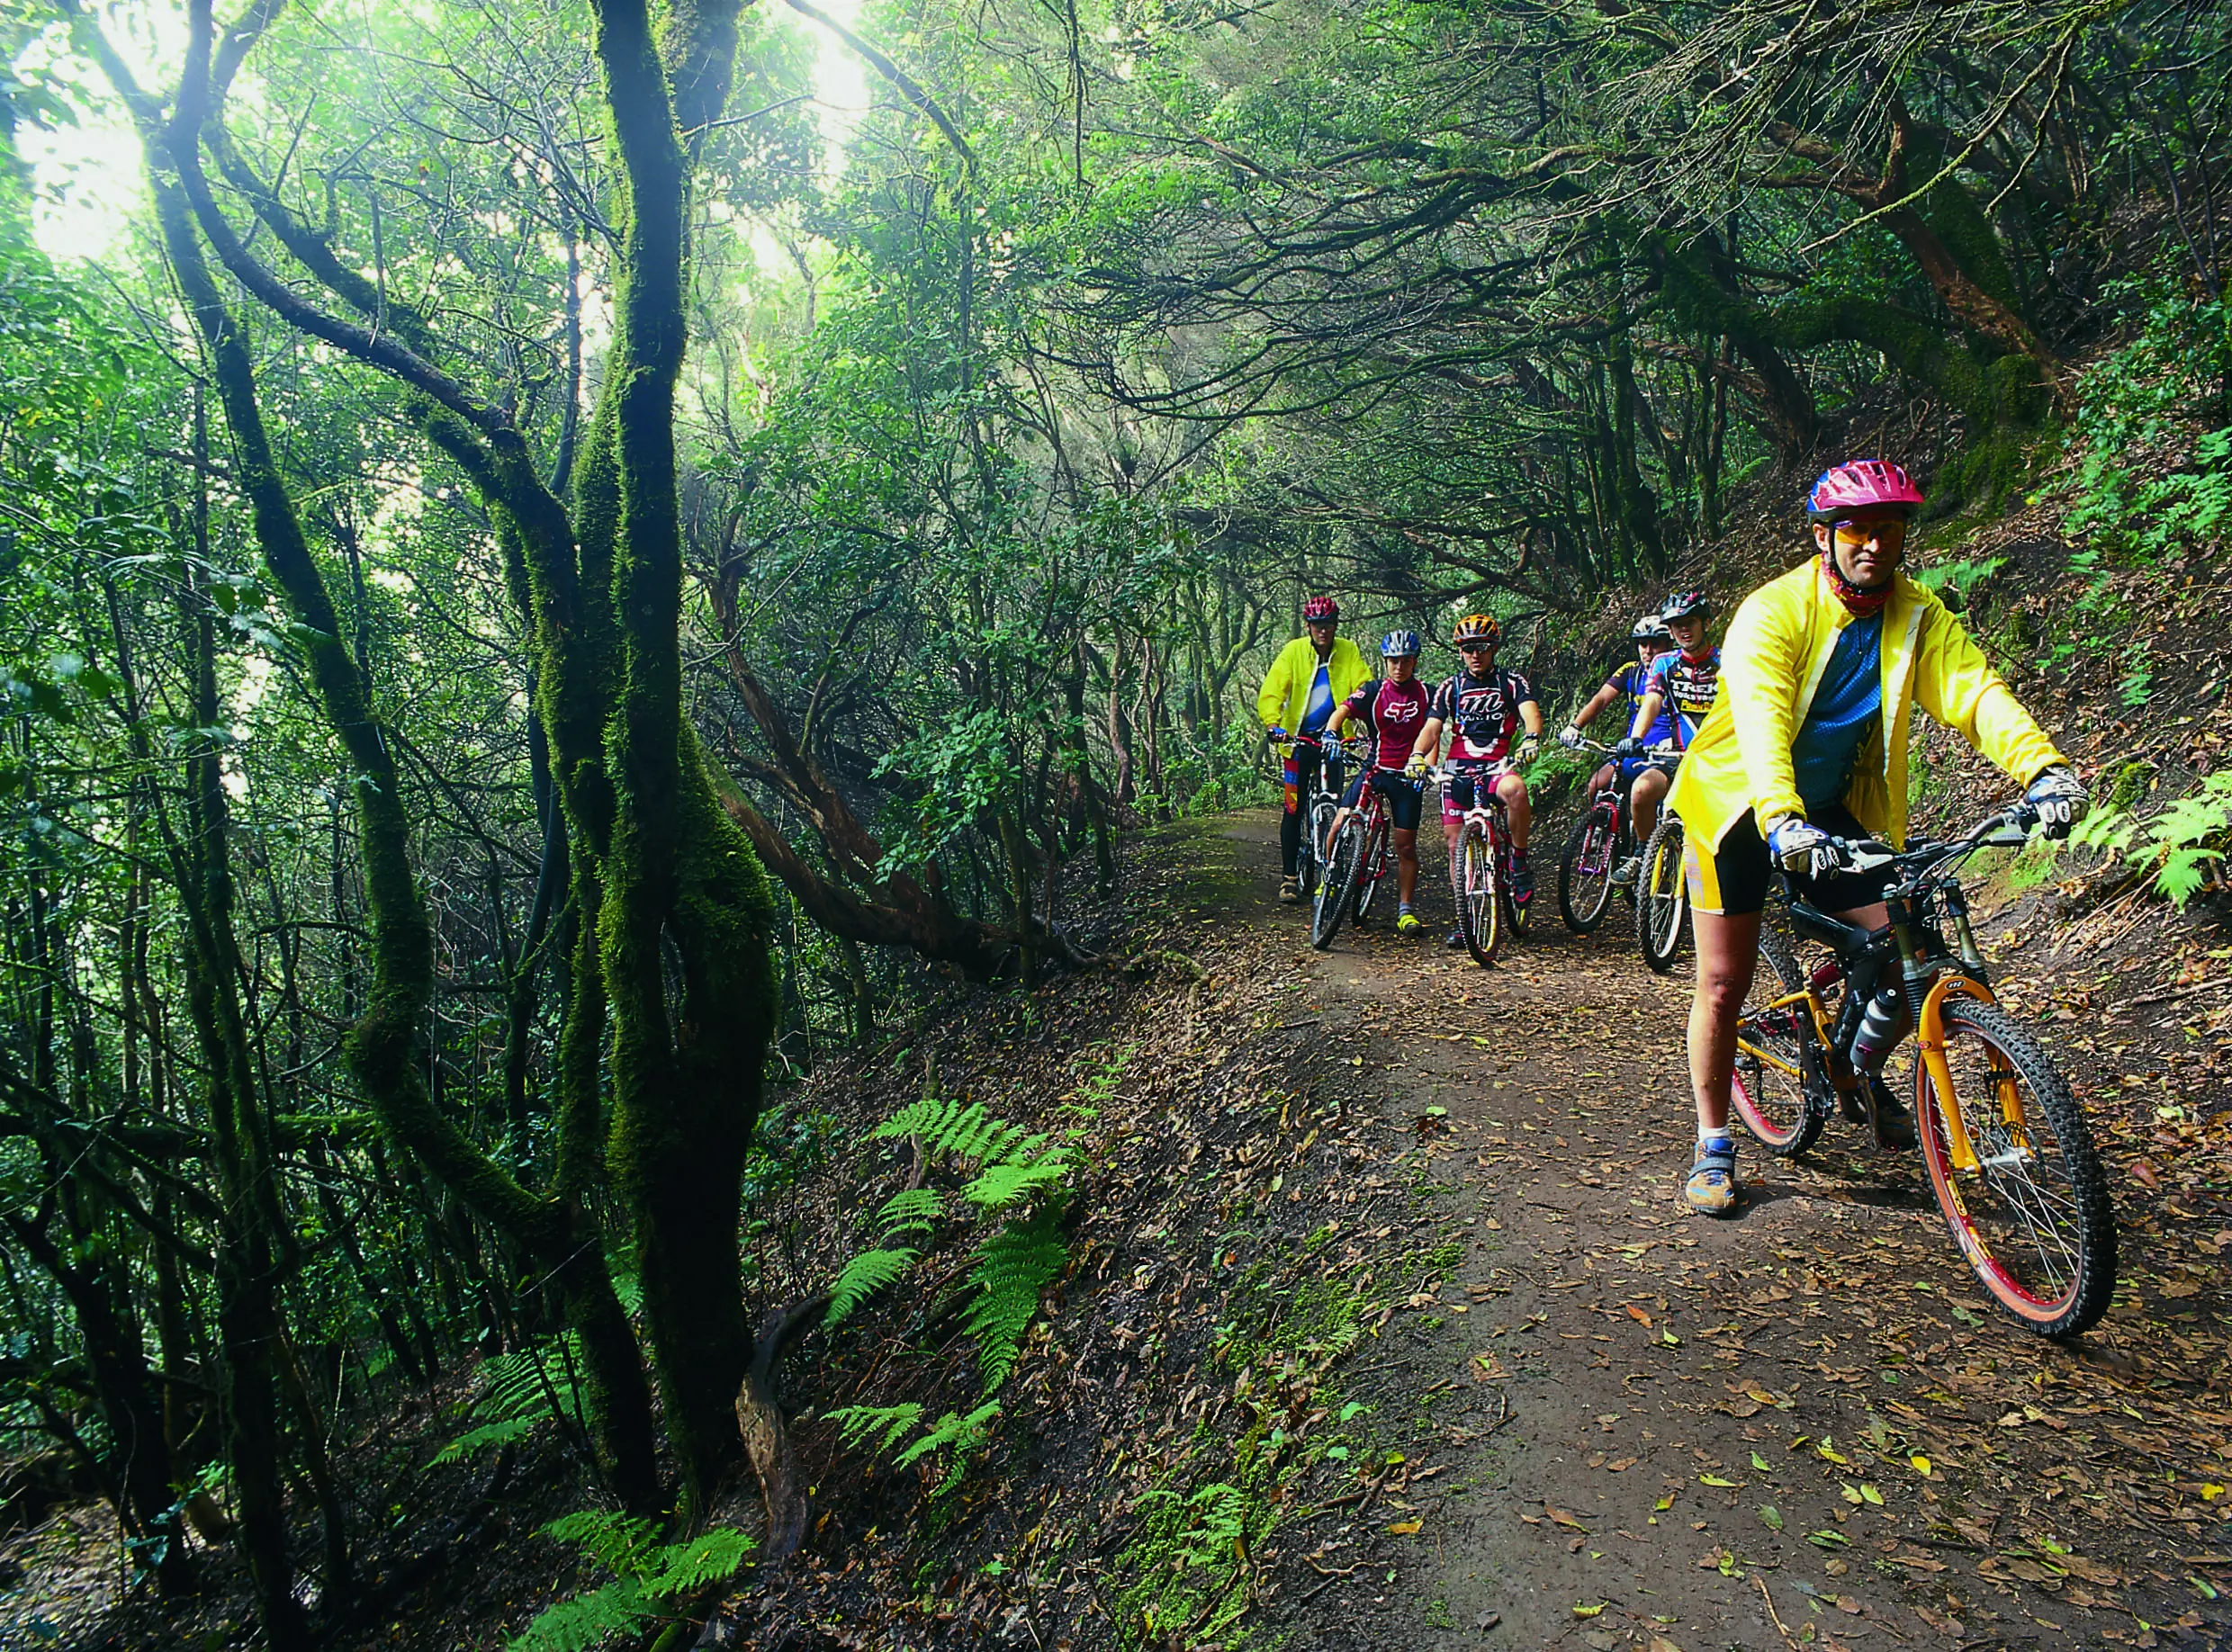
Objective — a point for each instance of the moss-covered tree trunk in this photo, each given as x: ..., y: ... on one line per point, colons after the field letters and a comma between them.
x: 671, y: 919
x: 687, y: 922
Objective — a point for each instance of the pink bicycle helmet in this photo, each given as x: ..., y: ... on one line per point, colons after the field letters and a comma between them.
x: 1862, y: 484
x: 1320, y: 610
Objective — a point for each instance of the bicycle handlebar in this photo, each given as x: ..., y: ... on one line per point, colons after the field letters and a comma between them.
x: 1868, y: 854
x: 1663, y: 748
x: 1440, y: 773
x: 1347, y: 743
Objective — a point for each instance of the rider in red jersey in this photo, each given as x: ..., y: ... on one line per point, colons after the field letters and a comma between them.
x: 1394, y: 708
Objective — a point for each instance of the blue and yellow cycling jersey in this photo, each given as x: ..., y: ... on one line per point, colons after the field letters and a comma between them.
x: 1688, y: 688
x: 1633, y: 680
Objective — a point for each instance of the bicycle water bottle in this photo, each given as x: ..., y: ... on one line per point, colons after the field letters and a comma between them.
x: 1880, y: 1028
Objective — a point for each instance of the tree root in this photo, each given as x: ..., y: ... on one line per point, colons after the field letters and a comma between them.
x: 767, y: 1441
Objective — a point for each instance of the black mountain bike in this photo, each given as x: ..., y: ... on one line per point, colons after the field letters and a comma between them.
x: 2009, y: 1149
x: 1318, y: 809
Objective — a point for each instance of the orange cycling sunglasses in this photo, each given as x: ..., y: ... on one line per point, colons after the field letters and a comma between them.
x: 1889, y: 532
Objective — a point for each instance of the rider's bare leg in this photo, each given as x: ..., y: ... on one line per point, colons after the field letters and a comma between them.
x: 1601, y: 780
x: 1728, y: 950
x: 1513, y: 791
x: 1405, y: 864
x: 1643, y: 802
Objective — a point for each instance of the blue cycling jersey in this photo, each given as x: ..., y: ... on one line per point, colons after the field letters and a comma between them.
x: 1633, y: 680
x: 1847, y: 706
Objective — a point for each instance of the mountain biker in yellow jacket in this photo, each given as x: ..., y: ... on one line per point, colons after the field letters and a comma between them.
x: 1806, y: 744
x: 1312, y: 675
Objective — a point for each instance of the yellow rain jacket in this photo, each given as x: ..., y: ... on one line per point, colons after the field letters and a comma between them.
x: 1285, y: 694
x: 1772, y: 660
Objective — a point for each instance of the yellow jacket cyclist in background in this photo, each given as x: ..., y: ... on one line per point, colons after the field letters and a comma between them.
x: 1313, y: 674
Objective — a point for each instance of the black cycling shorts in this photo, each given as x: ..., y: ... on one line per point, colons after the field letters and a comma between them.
x: 1731, y: 879
x: 1402, y: 796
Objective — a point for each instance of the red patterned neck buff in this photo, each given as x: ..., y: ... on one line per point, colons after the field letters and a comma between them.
x: 1859, y: 602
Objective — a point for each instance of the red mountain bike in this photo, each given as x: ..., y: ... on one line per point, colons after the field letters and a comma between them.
x: 1356, y: 861
x: 1479, y: 868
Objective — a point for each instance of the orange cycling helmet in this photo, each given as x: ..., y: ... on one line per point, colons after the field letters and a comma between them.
x: 1478, y: 628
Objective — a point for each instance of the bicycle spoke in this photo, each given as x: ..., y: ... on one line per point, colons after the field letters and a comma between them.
x: 2034, y: 1206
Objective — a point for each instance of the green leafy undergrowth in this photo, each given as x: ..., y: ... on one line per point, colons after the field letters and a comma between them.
x: 1185, y: 1567
x: 882, y: 1428
x: 999, y: 1191
x: 1961, y: 579
x: 651, y: 1581
x: 2178, y: 846
x: 2146, y: 487
x: 515, y: 1394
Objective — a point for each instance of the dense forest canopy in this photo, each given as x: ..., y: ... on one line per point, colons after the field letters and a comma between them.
x: 551, y: 575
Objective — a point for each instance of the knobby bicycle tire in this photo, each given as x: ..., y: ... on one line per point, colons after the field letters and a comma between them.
x: 1768, y: 1101
x: 1662, y: 896
x: 1517, y: 913
x: 2017, y: 1236
x: 1339, y: 887
x: 1583, y: 898
x: 1472, y: 880
x: 1372, y: 869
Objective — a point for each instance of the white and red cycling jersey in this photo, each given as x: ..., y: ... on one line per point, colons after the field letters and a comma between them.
x: 1482, y: 714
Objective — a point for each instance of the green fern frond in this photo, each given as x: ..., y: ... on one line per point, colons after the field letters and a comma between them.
x: 1012, y: 1268
x: 474, y: 1441
x: 514, y: 1393
x: 936, y: 1122
x: 881, y: 1426
x: 520, y: 1384
x: 993, y: 1138
x: 1013, y: 1179
x: 911, y: 1209
x: 586, y: 1621
x: 863, y: 1276
x: 963, y: 1433
x: 649, y: 1575
x: 959, y: 1130
x: 710, y: 1558
x: 620, y: 1543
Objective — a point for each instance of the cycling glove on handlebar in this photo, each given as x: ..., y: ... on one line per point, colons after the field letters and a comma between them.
x: 2060, y: 799
x: 1803, y: 850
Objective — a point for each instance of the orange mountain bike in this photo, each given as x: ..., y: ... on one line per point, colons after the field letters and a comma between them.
x: 2008, y: 1146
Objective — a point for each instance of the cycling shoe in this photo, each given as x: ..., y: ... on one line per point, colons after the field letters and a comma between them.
x: 1713, y: 1188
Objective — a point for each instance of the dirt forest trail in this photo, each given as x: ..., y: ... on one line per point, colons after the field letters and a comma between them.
x: 1803, y: 1427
